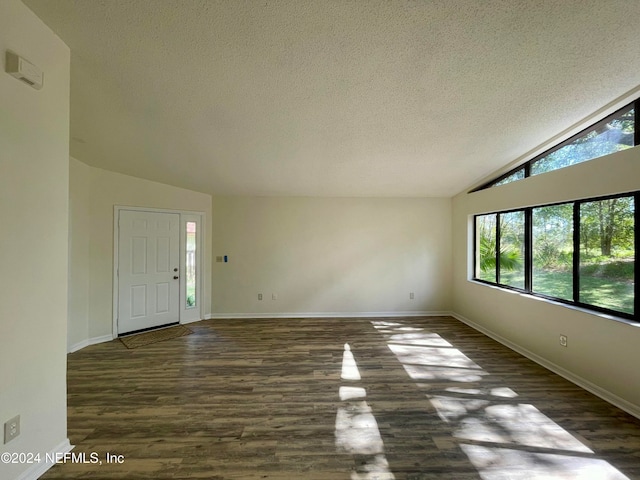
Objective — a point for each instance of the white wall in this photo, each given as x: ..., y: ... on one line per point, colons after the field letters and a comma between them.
x: 331, y: 255
x: 34, y: 156
x: 94, y: 193
x: 603, y: 354
x: 79, y: 244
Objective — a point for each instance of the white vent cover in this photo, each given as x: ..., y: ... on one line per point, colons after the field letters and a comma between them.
x: 24, y: 70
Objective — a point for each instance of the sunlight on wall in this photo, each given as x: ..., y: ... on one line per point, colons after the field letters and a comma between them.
x: 503, y: 438
x: 357, y: 430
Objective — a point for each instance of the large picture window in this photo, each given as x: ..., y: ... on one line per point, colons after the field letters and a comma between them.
x: 580, y: 252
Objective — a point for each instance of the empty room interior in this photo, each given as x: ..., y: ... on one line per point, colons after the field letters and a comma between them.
x: 388, y: 239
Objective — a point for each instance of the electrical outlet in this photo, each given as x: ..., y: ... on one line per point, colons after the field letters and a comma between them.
x: 274, y: 296
x: 563, y: 340
x: 259, y: 296
x: 411, y: 296
x: 12, y: 429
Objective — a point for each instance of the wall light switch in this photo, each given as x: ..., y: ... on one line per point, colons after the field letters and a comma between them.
x: 219, y: 259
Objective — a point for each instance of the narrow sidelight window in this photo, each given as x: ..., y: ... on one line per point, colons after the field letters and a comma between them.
x: 190, y: 262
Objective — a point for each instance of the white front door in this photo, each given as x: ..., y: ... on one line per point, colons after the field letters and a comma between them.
x: 148, y: 270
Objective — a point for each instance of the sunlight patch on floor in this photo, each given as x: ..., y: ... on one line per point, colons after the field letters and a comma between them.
x: 351, y: 393
x: 480, y: 420
x: 431, y: 372
x: 427, y: 356
x: 356, y: 430
x: 436, y: 356
x: 427, y: 340
x: 349, y: 368
x: 509, y: 440
x: 496, y: 392
x: 515, y: 464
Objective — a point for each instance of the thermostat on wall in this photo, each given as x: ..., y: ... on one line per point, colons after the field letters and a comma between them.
x: 24, y: 70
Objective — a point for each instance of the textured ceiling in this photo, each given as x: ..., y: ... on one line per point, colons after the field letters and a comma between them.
x: 334, y: 98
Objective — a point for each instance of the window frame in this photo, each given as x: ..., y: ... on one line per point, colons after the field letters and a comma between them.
x: 528, y: 254
x: 594, y: 126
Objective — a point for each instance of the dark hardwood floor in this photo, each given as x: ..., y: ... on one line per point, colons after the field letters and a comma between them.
x: 408, y: 398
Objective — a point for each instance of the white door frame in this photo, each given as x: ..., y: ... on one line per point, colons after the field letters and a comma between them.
x: 185, y: 315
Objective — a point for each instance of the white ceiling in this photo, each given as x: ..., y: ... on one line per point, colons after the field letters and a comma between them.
x: 334, y: 98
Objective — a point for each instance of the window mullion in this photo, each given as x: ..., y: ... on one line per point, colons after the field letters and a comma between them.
x: 475, y: 247
x: 528, y: 249
x: 636, y: 243
x: 576, y: 252
x: 497, y: 248
x: 636, y: 130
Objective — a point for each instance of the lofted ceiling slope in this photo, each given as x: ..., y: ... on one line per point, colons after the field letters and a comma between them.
x: 334, y: 98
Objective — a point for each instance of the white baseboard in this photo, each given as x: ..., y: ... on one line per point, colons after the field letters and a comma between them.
x: 90, y: 341
x: 36, y: 470
x: 326, y: 315
x: 606, y: 395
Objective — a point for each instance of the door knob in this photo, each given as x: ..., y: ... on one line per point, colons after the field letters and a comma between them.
x: 175, y: 277
x: 175, y: 269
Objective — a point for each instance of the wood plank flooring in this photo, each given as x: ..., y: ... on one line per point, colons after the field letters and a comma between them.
x: 408, y: 398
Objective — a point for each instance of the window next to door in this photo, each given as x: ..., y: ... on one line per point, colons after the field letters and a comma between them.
x: 190, y: 265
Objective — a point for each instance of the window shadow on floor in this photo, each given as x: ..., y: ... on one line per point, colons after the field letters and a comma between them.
x: 448, y: 402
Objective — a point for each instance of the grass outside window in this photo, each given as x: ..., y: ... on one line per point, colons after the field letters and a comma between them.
x: 580, y: 252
